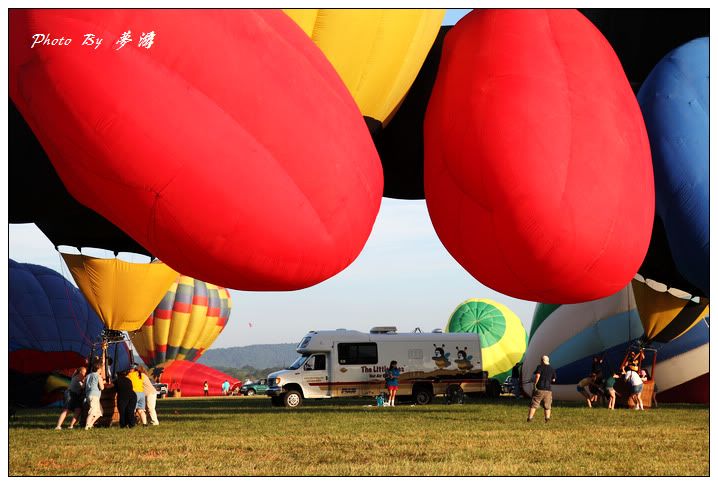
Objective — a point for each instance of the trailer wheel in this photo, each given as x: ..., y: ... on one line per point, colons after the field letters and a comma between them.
x: 292, y: 399
x: 422, y: 395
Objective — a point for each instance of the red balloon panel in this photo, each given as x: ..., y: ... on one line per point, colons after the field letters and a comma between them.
x: 538, y: 172
x: 229, y: 148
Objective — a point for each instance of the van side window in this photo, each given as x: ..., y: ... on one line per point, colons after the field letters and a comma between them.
x: 358, y: 353
x: 316, y: 362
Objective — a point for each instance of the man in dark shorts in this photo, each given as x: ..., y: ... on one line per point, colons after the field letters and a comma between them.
x: 544, y: 375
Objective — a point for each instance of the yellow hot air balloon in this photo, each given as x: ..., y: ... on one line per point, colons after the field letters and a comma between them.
x: 185, y: 323
x: 122, y: 294
x: 377, y: 52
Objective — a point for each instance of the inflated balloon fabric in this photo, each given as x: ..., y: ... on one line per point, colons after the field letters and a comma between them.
x: 230, y: 148
x: 643, y: 36
x: 50, y: 324
x: 189, y: 378
x: 36, y: 194
x: 188, y: 319
x: 571, y: 335
x: 401, y: 143
x: 503, y: 337
x: 377, y: 52
x: 538, y: 173
x: 674, y: 101
x: 665, y: 316
x: 122, y: 293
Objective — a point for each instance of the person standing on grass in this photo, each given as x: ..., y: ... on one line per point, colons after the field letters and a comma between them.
x: 516, y: 379
x: 135, y: 376
x: 610, y: 391
x: 75, y: 398
x: 94, y: 385
x: 636, y: 382
x: 544, y: 375
x: 392, y: 381
x: 206, y: 388
x: 126, y: 400
x: 150, y: 398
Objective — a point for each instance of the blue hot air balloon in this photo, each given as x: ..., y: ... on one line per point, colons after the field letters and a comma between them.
x: 674, y: 102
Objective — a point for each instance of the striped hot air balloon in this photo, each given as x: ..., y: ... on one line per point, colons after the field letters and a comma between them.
x: 573, y: 334
x: 185, y: 323
x: 503, y: 337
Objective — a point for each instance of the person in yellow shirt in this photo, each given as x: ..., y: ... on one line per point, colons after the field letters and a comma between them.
x: 135, y: 375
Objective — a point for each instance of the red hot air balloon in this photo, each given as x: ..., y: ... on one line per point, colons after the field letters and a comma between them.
x: 229, y: 148
x: 538, y: 173
x: 189, y: 377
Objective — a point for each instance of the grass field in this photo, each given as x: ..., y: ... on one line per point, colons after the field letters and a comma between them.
x: 242, y: 436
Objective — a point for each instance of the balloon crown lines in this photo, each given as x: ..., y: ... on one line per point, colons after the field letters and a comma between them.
x: 146, y: 40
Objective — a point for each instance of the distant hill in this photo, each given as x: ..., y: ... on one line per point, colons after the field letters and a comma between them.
x: 257, y: 356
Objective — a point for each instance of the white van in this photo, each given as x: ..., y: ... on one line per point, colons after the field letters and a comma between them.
x: 342, y: 362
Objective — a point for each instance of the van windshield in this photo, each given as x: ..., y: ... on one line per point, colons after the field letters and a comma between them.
x: 299, y: 362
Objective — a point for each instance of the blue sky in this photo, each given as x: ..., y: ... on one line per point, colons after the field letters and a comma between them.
x: 403, y: 277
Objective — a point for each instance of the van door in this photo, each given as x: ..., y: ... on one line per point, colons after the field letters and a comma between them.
x: 315, y: 376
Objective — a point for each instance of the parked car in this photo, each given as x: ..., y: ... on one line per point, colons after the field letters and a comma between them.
x: 252, y: 388
x: 508, y: 386
x: 161, y: 389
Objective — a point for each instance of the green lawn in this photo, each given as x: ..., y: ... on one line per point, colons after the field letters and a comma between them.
x: 247, y: 437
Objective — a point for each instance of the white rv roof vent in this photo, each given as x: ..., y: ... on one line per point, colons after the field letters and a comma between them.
x: 383, y: 330
x: 437, y: 330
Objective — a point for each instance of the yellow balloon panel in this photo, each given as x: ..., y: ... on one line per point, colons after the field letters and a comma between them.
x: 376, y: 52
x: 123, y: 294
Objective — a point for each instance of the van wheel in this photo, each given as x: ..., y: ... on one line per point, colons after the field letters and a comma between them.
x: 422, y: 396
x: 454, y: 394
x: 250, y: 392
x: 493, y: 388
x: 292, y: 399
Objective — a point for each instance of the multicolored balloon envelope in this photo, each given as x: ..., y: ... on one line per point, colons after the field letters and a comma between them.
x: 538, y: 172
x: 674, y: 101
x: 51, y: 327
x: 189, y: 378
x: 571, y: 335
x: 228, y: 146
x: 185, y: 323
x: 503, y: 337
